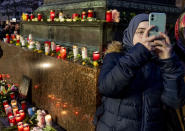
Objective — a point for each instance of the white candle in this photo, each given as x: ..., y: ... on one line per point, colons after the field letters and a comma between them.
x: 75, y: 51
x: 84, y: 53
x: 53, y: 46
x: 48, y: 120
x: 30, y: 37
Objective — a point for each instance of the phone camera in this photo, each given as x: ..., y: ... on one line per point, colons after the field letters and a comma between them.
x: 152, y: 19
x: 152, y: 15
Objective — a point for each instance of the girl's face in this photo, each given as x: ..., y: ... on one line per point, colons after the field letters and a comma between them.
x: 140, y: 31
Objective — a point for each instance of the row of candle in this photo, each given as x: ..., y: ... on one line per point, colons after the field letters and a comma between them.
x: 84, y: 15
x: 51, y: 47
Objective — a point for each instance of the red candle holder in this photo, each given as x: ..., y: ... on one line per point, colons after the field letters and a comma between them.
x: 90, y: 14
x: 109, y: 16
x: 22, y: 114
x: 39, y: 17
x: 26, y: 17
x: 75, y: 15
x: 63, y: 53
x: 83, y: 15
x: 32, y: 17
x: 18, y: 118
x: 20, y: 126
x: 23, y: 105
x: 12, y: 95
x: 52, y: 15
x: 26, y: 127
x: 96, y: 56
x: 8, y: 38
x: 5, y: 102
x: 58, y: 48
x: 12, y: 121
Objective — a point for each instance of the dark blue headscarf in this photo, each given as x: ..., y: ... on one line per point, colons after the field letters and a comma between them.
x: 128, y: 33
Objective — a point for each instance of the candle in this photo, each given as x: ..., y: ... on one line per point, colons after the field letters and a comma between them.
x: 32, y: 17
x: 22, y: 114
x: 109, y: 16
x: 63, y: 52
x: 23, y: 43
x: 8, y: 109
x: 26, y: 17
x: 39, y: 17
x: 30, y: 38
x: 83, y: 15
x: 15, y: 110
x: 5, y: 102
x: 61, y: 17
x: 75, y: 15
x: 58, y: 48
x: 52, y: 15
x: 84, y: 52
x: 23, y: 105
x: 13, y: 103
x: 7, y: 38
x: 53, y: 46
x: 26, y: 127
x: 48, y: 120
x: 12, y: 95
x: 75, y: 51
x: 18, y: 118
x: 12, y: 120
x: 38, y: 45
x: 20, y: 126
x: 47, y: 48
x: 96, y: 55
x: 90, y: 14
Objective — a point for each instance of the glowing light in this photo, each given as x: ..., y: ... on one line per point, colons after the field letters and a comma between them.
x: 63, y: 112
x: 76, y: 113
x: 45, y: 65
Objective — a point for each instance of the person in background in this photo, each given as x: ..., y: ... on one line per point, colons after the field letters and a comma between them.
x: 137, y: 79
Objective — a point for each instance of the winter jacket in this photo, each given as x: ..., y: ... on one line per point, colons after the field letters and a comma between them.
x: 134, y: 87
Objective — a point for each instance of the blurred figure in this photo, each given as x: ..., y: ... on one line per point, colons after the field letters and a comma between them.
x: 6, y: 30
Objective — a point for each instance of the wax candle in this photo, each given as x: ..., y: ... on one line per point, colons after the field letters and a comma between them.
x: 84, y: 52
x: 20, y: 126
x: 39, y: 17
x: 53, y: 46
x: 13, y: 102
x: 109, y: 16
x: 12, y: 95
x: 22, y: 114
x: 52, y: 15
x: 58, y: 48
x: 63, y: 52
x: 23, y: 105
x: 15, y: 110
x: 5, y: 102
x: 12, y: 120
x: 75, y: 51
x: 32, y: 17
x: 48, y: 120
x: 83, y: 15
x: 18, y: 118
x: 90, y: 13
x: 26, y: 127
x: 96, y: 55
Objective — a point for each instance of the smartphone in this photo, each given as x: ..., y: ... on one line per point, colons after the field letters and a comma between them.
x: 159, y: 21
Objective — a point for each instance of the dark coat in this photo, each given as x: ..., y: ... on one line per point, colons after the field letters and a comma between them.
x: 135, y: 87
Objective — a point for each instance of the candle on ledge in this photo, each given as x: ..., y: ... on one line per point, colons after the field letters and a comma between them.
x: 52, y: 15
x: 22, y: 114
x: 109, y: 16
x: 75, y: 51
x: 39, y: 17
x: 84, y: 52
x: 48, y: 120
x: 26, y: 127
x: 20, y: 126
x: 58, y: 48
x: 96, y: 56
x: 63, y: 52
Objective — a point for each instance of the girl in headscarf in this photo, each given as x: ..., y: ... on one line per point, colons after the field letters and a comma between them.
x: 137, y: 81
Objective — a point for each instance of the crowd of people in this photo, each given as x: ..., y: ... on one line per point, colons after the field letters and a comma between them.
x: 8, y: 28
